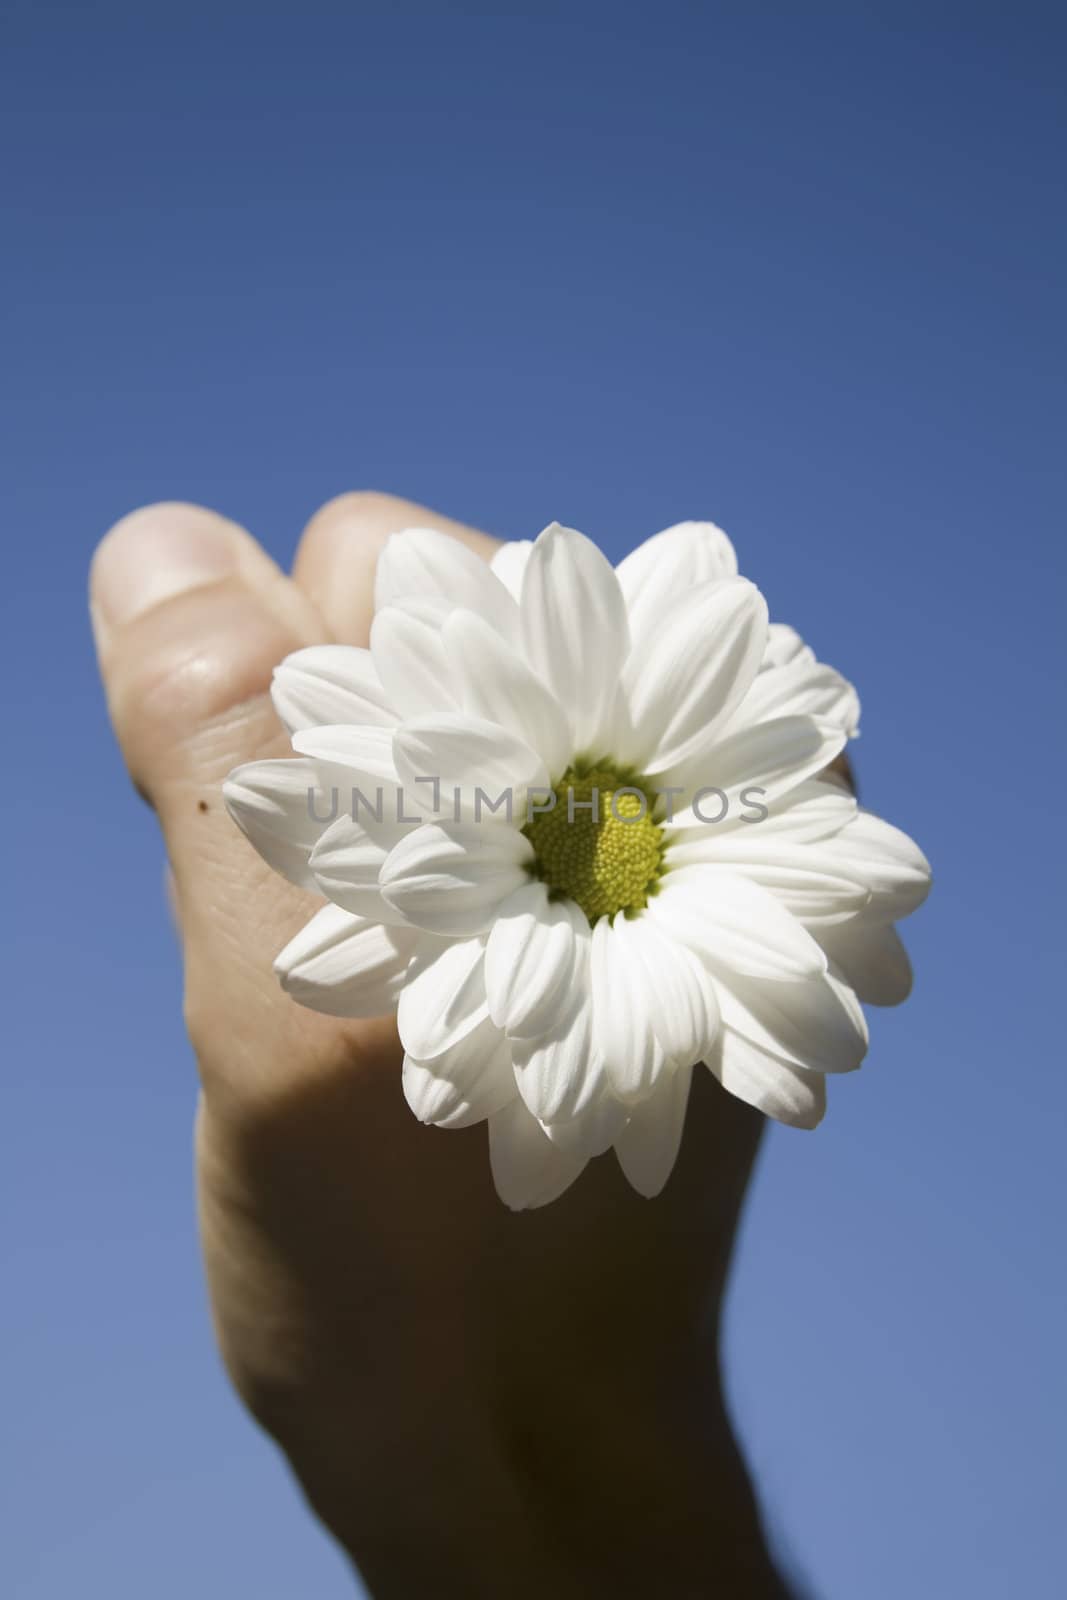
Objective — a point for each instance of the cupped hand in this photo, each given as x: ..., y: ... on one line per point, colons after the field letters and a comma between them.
x: 475, y: 1401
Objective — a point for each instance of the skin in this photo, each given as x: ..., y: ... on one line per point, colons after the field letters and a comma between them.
x: 474, y: 1402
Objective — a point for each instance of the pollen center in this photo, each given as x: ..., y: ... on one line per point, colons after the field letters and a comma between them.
x: 597, y: 843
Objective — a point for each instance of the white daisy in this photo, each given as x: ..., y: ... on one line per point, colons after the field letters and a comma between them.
x: 670, y: 876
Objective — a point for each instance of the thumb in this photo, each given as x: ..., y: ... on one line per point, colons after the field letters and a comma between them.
x: 190, y: 615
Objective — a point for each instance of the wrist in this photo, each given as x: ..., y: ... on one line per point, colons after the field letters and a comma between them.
x: 614, y: 1496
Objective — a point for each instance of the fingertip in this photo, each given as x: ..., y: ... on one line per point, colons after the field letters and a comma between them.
x: 154, y: 554
x: 191, y: 616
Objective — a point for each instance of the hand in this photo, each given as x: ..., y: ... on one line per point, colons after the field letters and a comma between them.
x: 475, y: 1402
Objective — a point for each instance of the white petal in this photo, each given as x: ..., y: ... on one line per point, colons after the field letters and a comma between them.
x: 803, y: 689
x: 888, y: 862
x: 872, y: 959
x: 509, y: 565
x: 849, y: 1000
x: 594, y: 1130
x: 425, y: 562
x: 277, y: 806
x: 470, y: 755
x: 560, y: 1072
x: 350, y: 756
x: 753, y: 766
x: 647, y: 1147
x: 691, y: 677
x: 656, y: 575
x: 625, y: 1035
x: 494, y: 683
x: 679, y: 991
x: 465, y: 1084
x: 450, y: 877
x: 529, y: 959
x: 817, y: 1025
x: 443, y: 997
x: 735, y: 924
x: 346, y: 966
x: 575, y: 633
x: 806, y: 878
x: 410, y: 657
x: 769, y: 1083
x: 330, y: 683
x: 528, y: 1169
x: 810, y: 889
x: 346, y: 863
x: 815, y: 809
x: 784, y: 645
x: 357, y: 767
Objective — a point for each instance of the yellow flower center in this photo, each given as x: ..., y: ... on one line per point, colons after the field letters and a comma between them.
x: 598, y: 844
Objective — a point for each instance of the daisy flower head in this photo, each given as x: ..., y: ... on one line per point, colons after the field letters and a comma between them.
x: 575, y: 825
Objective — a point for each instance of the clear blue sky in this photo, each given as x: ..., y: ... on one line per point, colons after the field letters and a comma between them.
x: 797, y: 268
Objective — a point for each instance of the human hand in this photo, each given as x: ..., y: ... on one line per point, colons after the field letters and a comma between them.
x: 474, y: 1401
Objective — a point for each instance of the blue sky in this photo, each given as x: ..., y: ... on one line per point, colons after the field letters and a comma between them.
x: 798, y: 269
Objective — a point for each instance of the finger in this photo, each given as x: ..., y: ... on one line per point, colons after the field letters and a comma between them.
x: 339, y: 550
x: 190, y: 616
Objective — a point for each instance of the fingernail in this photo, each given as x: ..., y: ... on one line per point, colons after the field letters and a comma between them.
x: 154, y: 555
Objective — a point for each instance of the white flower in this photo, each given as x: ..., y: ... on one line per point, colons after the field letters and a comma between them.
x: 671, y: 876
